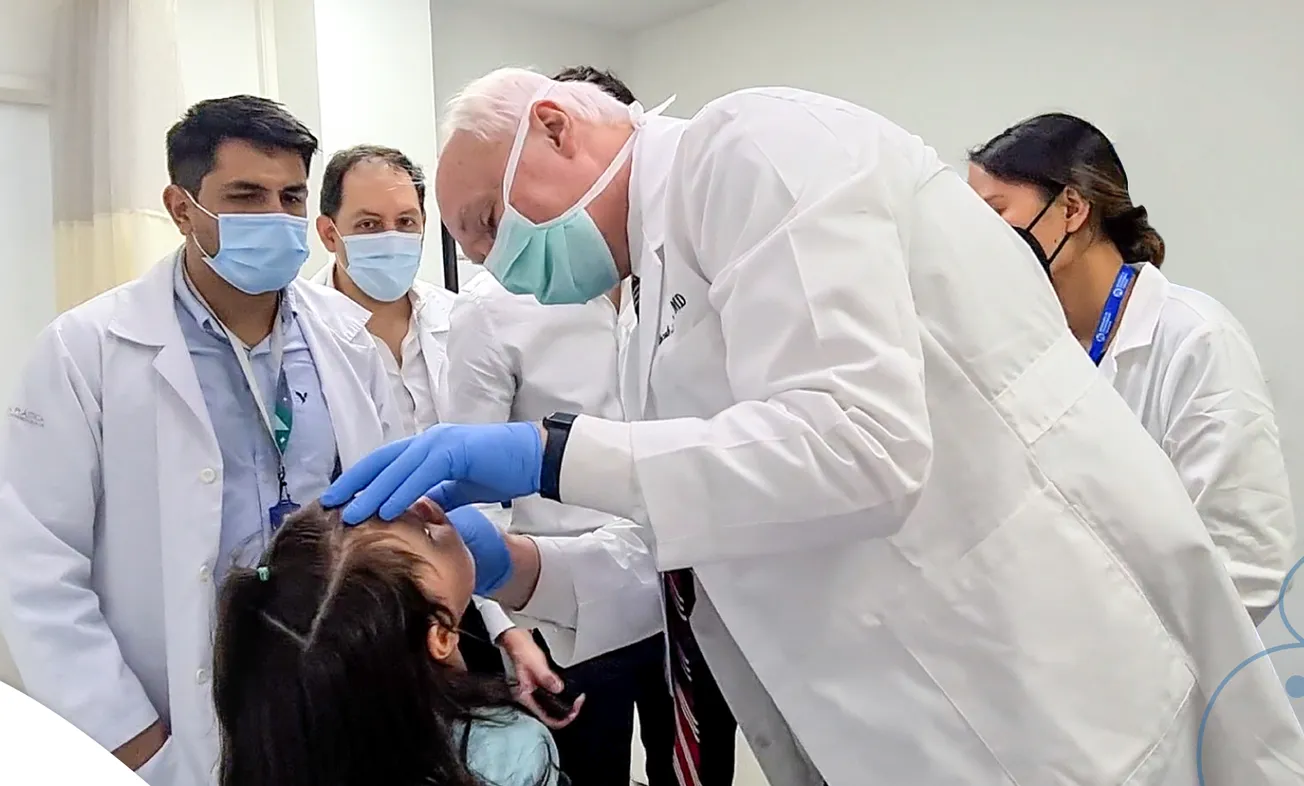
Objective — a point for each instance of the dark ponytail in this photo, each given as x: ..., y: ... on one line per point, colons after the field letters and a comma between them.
x: 1136, y: 240
x: 1056, y: 151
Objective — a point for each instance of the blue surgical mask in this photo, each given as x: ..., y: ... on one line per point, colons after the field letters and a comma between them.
x: 383, y: 265
x: 565, y: 260
x: 257, y: 252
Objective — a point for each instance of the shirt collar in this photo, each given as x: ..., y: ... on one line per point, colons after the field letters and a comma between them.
x: 190, y: 300
x: 327, y: 279
x: 1136, y: 329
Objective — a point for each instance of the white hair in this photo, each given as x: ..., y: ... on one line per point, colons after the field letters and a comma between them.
x: 493, y: 105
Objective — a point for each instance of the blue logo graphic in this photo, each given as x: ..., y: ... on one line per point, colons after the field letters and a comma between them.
x: 1294, y: 685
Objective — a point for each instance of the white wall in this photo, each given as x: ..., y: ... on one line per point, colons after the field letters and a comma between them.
x: 473, y: 38
x: 1202, y: 99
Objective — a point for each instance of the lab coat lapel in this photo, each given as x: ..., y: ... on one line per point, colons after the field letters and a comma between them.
x: 649, y: 323
x: 654, y: 150
x: 433, y: 312
x: 147, y: 316
x: 333, y: 329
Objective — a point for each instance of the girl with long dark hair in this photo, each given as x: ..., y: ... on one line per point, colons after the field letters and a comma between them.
x: 337, y: 665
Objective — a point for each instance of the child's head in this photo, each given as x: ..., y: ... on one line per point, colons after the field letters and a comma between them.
x: 336, y: 659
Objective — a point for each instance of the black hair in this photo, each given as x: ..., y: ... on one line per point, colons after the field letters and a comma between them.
x: 332, y: 182
x: 606, y: 80
x: 193, y: 140
x: 322, y: 670
x: 1056, y: 151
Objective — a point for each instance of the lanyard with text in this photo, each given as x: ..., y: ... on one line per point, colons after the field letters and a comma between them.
x: 279, y: 420
x: 1110, y: 313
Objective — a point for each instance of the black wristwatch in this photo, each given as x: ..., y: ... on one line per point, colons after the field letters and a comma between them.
x: 558, y: 428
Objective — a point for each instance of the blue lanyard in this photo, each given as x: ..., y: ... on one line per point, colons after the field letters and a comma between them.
x: 1110, y: 313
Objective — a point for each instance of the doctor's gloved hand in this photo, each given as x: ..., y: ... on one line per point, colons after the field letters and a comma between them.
x: 493, y: 562
x: 456, y: 463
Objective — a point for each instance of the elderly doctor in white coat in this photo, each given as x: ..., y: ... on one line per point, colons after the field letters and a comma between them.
x: 138, y: 464
x: 861, y: 399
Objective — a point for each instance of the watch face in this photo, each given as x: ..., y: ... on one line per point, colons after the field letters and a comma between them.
x: 559, y: 419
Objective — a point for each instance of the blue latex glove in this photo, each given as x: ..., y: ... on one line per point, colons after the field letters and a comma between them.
x: 493, y: 564
x: 499, y: 462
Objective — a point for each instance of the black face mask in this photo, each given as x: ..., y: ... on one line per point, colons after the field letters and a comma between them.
x: 1035, y: 245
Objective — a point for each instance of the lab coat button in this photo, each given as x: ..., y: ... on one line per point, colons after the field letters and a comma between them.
x: 208, y: 475
x: 201, y: 676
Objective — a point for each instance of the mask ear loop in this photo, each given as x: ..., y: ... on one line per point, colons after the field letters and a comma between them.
x: 1031, y: 239
x: 206, y: 212
x: 637, y: 117
x: 514, y: 157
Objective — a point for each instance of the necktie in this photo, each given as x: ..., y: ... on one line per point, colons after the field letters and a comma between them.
x: 679, y: 592
x: 680, y: 595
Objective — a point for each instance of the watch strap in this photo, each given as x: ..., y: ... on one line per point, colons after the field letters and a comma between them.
x: 557, y: 426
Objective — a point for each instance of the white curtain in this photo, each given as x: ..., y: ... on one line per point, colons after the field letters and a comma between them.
x: 116, y: 88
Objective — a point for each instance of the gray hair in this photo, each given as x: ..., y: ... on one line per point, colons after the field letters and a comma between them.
x: 493, y: 105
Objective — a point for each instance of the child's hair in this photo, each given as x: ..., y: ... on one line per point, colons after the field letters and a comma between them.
x: 323, y: 674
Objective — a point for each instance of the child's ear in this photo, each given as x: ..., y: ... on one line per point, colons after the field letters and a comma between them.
x: 442, y: 642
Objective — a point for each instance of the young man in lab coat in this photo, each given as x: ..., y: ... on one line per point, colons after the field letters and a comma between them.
x: 373, y: 220
x: 512, y: 359
x: 161, y: 431
x: 917, y: 537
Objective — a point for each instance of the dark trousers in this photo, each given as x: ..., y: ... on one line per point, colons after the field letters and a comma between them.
x: 595, y: 747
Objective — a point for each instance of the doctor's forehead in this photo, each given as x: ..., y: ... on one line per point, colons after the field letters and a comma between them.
x: 468, y: 167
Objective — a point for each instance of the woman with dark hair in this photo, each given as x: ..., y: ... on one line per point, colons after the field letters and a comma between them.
x: 1181, y: 361
x: 337, y: 663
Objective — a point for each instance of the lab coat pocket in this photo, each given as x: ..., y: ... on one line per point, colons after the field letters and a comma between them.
x: 1050, y: 652
x: 160, y: 770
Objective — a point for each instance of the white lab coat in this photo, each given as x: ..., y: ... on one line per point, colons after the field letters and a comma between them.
x: 512, y: 359
x: 431, y: 325
x: 925, y: 525
x: 111, y: 496
x: 1187, y: 368
x: 431, y: 322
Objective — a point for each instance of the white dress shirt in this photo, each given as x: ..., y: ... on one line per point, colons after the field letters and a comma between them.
x: 414, y: 390
x: 1187, y: 368
x: 512, y: 359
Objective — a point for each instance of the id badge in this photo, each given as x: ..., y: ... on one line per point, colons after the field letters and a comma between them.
x: 276, y: 514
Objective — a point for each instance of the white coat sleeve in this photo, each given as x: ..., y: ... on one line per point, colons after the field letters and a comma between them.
x: 481, y: 385
x: 1222, y: 438
x: 50, y: 481
x: 596, y: 592
x: 829, y: 440
x: 496, y: 621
